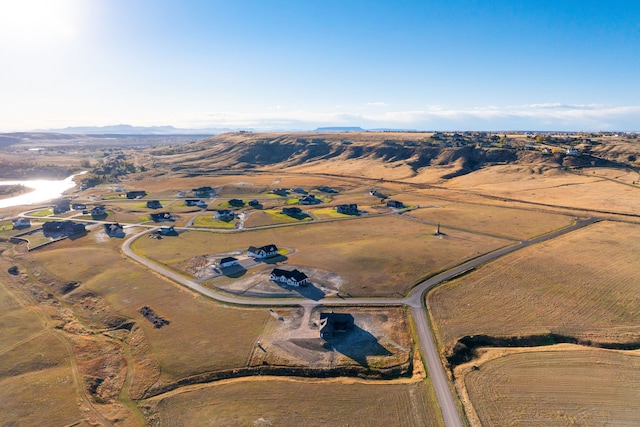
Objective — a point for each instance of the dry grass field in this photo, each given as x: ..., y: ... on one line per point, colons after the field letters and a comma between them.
x: 508, y: 222
x: 539, y: 184
x: 282, y: 402
x: 583, y: 284
x: 579, y: 386
x: 380, y: 256
x: 113, y: 289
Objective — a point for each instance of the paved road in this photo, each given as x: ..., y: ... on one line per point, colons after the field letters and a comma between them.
x: 415, y: 300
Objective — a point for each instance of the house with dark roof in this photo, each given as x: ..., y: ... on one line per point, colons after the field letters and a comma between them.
x: 236, y: 203
x: 294, y: 211
x: 224, y: 215
x: 195, y: 202
x: 262, y: 251
x: 255, y: 204
x: 309, y: 199
x: 99, y: 211
x: 61, y: 206
x: 161, y: 217
x: 67, y: 228
x: 167, y: 230
x: 395, y: 204
x: 291, y: 278
x: 334, y: 323
x: 348, y: 209
x: 228, y: 262
x: 138, y: 194
x: 204, y: 191
x: 21, y: 223
x: 154, y: 204
x: 326, y: 189
x: 78, y: 206
x: 114, y: 230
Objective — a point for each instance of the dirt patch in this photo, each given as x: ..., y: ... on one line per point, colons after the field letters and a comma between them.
x: 378, y: 340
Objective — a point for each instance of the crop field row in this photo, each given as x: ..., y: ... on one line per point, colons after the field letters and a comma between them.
x: 576, y: 386
x: 285, y: 402
x: 583, y: 284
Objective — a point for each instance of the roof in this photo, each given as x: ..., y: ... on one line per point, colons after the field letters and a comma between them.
x: 267, y: 248
x: 228, y: 259
x: 297, y: 275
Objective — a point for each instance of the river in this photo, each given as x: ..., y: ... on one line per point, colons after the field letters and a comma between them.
x: 44, y: 189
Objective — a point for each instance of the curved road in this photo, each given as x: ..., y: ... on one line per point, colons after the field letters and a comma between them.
x: 415, y: 301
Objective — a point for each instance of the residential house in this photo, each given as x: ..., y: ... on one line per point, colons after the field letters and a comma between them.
x: 167, y: 230
x: 395, y: 204
x: 294, y: 211
x: 78, y: 206
x: 262, y: 251
x: 309, y: 199
x: 300, y: 190
x: 291, y: 278
x: 326, y: 189
x: 227, y: 262
x: 255, y: 204
x: 224, y: 215
x: 21, y: 223
x: 99, y: 211
x: 332, y: 323
x: 162, y: 216
x: 236, y: 203
x: 114, y: 230
x: 280, y: 191
x: 61, y: 206
x: 154, y: 204
x: 136, y: 194
x: 195, y: 202
x: 348, y: 209
x: 204, y: 191
x: 62, y: 228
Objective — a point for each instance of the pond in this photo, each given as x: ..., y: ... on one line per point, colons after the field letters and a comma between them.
x: 44, y: 189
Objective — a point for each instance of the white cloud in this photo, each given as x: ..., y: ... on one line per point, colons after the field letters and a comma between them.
x: 376, y: 104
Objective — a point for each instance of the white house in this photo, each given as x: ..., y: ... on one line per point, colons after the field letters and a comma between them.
x: 228, y: 262
x: 291, y: 278
x: 21, y: 223
x: 263, y: 251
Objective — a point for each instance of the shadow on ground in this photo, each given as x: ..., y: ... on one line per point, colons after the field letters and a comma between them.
x: 308, y: 291
x: 234, y: 272
x: 357, y: 344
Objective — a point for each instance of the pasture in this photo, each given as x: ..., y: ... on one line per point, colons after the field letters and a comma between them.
x: 573, y: 386
x: 202, y: 336
x: 583, y: 284
x: 279, y: 401
x: 501, y: 221
x: 380, y: 256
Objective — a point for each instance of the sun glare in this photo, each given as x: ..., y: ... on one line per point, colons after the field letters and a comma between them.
x: 24, y: 21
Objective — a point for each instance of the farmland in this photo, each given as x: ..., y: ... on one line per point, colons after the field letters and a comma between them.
x: 569, y: 386
x: 584, y: 294
x: 276, y: 401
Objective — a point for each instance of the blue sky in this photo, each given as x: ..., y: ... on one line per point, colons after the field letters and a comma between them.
x: 298, y: 64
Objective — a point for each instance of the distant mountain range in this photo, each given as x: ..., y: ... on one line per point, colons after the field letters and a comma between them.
x: 136, y: 130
